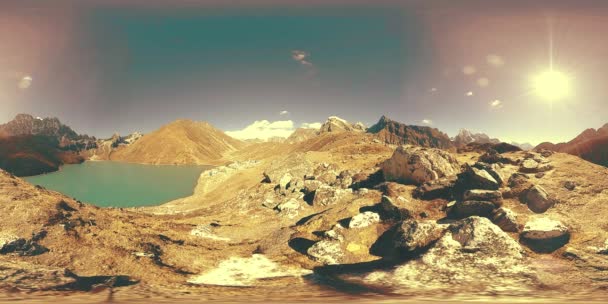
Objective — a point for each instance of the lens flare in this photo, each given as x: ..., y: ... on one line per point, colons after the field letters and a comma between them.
x: 551, y: 85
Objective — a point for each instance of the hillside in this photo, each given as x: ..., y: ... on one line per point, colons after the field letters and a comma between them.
x: 591, y: 145
x: 393, y: 132
x: 26, y: 155
x: 180, y: 142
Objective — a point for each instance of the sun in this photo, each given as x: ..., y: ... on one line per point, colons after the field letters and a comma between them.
x: 551, y: 85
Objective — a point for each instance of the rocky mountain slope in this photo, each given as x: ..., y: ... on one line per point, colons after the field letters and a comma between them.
x: 180, y: 142
x: 25, y: 155
x: 25, y: 124
x: 337, y: 124
x: 591, y: 145
x: 336, y: 214
x: 30, y: 146
x: 397, y: 133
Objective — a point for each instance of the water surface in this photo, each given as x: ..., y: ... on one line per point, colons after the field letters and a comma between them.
x: 116, y: 184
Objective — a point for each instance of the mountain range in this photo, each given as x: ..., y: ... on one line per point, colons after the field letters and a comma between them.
x: 30, y: 145
x: 590, y: 145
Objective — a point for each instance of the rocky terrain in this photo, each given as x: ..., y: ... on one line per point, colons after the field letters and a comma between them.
x: 591, y: 145
x: 340, y: 213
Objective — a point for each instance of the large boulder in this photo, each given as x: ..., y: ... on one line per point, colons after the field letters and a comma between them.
x: 545, y: 235
x: 473, y: 255
x: 417, y: 165
x: 537, y: 199
x: 474, y: 178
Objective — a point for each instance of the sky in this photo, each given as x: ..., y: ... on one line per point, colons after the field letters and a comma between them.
x: 267, y: 67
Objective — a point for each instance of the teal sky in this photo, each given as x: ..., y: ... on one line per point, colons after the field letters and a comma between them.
x: 111, y: 66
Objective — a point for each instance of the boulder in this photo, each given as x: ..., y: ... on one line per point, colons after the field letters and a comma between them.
x: 417, y: 165
x: 534, y: 166
x: 463, y: 209
x: 519, y: 184
x: 505, y: 219
x: 474, y: 178
x: 545, y: 235
x: 284, y: 181
x: 412, y: 236
x: 364, y: 219
x: 389, y: 210
x: 537, y: 199
x: 290, y: 208
x: 493, y: 169
x: 493, y: 196
x: 327, y: 252
x: 473, y: 254
x: 440, y: 188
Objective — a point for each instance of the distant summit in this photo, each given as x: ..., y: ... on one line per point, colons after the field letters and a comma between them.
x: 337, y: 124
x: 32, y: 145
x: 392, y: 132
x: 466, y: 137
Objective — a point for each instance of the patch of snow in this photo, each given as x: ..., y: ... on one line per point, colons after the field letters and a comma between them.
x: 238, y: 271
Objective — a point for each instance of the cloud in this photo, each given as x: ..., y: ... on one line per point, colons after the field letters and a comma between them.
x: 25, y: 82
x: 301, y: 57
x: 483, y: 82
x: 496, y: 104
x: 427, y: 121
x: 311, y: 125
x: 264, y: 129
x: 469, y: 70
x: 284, y: 112
x: 495, y: 60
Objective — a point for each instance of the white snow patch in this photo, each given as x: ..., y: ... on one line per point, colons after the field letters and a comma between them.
x: 238, y: 271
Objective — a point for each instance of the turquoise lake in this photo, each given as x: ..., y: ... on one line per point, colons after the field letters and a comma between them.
x: 116, y: 184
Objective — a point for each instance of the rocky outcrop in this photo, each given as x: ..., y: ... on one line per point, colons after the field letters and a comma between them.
x: 418, y: 165
x: 545, y: 235
x: 396, y: 133
x: 472, y: 255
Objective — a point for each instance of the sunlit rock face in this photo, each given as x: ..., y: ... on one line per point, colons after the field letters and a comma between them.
x: 393, y: 132
x: 418, y: 165
x: 474, y: 255
x: 337, y: 124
